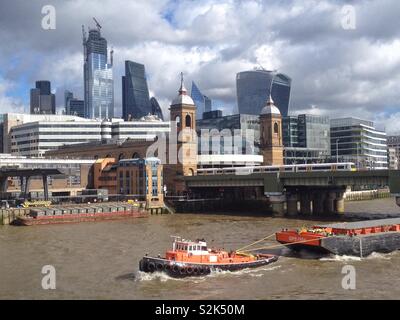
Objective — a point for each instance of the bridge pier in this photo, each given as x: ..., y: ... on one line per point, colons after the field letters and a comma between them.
x: 305, y: 203
x: 339, y: 203
x: 278, y: 205
x: 291, y: 203
x: 330, y: 203
x: 318, y: 203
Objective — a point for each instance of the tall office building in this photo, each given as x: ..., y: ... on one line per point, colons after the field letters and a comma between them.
x: 135, y: 93
x: 358, y: 141
x: 98, y: 76
x: 42, y: 100
x: 156, y: 109
x: 73, y: 106
x: 202, y: 102
x: 253, y: 89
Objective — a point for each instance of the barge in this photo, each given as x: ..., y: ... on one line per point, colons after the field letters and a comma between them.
x: 347, y: 238
x: 87, y: 213
x: 194, y: 258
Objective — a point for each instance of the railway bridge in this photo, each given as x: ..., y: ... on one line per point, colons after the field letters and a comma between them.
x: 313, y: 192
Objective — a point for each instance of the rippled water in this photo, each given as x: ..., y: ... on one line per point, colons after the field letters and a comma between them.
x: 100, y: 261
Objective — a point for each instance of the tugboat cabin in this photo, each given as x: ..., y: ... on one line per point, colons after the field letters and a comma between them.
x: 196, y: 251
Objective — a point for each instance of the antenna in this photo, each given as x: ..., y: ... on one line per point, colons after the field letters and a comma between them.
x: 97, y: 24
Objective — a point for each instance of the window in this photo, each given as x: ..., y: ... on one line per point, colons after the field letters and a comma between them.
x: 188, y: 121
x: 276, y: 128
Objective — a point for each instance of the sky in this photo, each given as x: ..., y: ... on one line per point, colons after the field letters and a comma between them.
x: 342, y: 63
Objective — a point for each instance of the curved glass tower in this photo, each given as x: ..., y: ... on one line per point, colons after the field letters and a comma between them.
x: 253, y: 89
x: 156, y: 109
x: 98, y: 77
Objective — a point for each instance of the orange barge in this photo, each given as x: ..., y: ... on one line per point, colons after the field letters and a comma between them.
x: 347, y: 238
x: 194, y: 258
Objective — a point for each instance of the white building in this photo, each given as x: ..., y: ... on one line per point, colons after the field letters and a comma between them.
x: 34, y: 138
x: 358, y: 141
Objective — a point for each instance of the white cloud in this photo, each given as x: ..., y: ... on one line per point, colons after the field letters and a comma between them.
x: 8, y: 103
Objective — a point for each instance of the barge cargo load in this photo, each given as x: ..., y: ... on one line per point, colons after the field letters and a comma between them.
x: 87, y: 213
x: 347, y: 238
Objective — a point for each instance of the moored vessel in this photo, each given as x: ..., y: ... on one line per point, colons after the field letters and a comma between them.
x: 194, y: 258
x: 87, y: 213
x: 347, y: 238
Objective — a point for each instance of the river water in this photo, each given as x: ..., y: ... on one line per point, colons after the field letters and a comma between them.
x: 100, y: 261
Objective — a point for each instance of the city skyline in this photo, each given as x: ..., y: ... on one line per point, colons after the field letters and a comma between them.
x: 345, y: 83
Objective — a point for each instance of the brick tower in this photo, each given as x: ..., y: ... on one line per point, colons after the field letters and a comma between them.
x: 271, y: 144
x: 183, y: 118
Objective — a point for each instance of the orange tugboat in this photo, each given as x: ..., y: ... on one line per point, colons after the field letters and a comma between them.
x: 193, y: 258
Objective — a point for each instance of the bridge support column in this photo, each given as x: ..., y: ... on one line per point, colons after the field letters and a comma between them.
x: 46, y: 188
x: 278, y: 205
x: 318, y: 203
x: 3, y: 184
x: 330, y: 203
x: 305, y: 204
x: 339, y: 203
x: 291, y: 202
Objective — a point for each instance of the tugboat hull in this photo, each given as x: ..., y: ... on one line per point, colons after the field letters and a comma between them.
x: 184, y: 269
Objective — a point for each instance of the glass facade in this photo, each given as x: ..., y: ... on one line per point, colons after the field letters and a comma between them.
x: 306, y: 139
x: 358, y: 141
x: 253, y: 89
x: 202, y: 102
x: 314, y: 132
x: 245, y: 126
x: 135, y: 93
x: 156, y: 109
x: 98, y: 78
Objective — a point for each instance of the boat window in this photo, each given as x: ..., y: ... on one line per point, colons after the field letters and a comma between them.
x: 185, y: 248
x: 204, y: 248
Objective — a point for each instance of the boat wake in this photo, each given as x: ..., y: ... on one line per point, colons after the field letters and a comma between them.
x: 372, y: 256
x: 163, y: 277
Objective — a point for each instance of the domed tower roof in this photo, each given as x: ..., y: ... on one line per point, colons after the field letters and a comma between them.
x: 270, y: 108
x: 183, y: 97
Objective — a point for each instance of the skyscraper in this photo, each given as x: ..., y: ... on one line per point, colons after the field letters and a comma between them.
x: 73, y: 106
x: 156, y: 109
x: 253, y: 89
x: 135, y: 93
x: 202, y: 102
x: 42, y: 100
x: 98, y: 76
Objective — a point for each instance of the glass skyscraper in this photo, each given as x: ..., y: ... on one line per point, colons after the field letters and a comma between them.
x: 202, y: 102
x: 98, y: 77
x: 253, y: 89
x: 156, y: 109
x: 135, y: 93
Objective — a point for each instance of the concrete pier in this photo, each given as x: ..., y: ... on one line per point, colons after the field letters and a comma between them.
x: 318, y: 203
x: 292, y: 205
x: 278, y: 204
x: 305, y: 204
x: 330, y: 203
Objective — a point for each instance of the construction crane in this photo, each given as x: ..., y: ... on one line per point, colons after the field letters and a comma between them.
x: 97, y: 24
